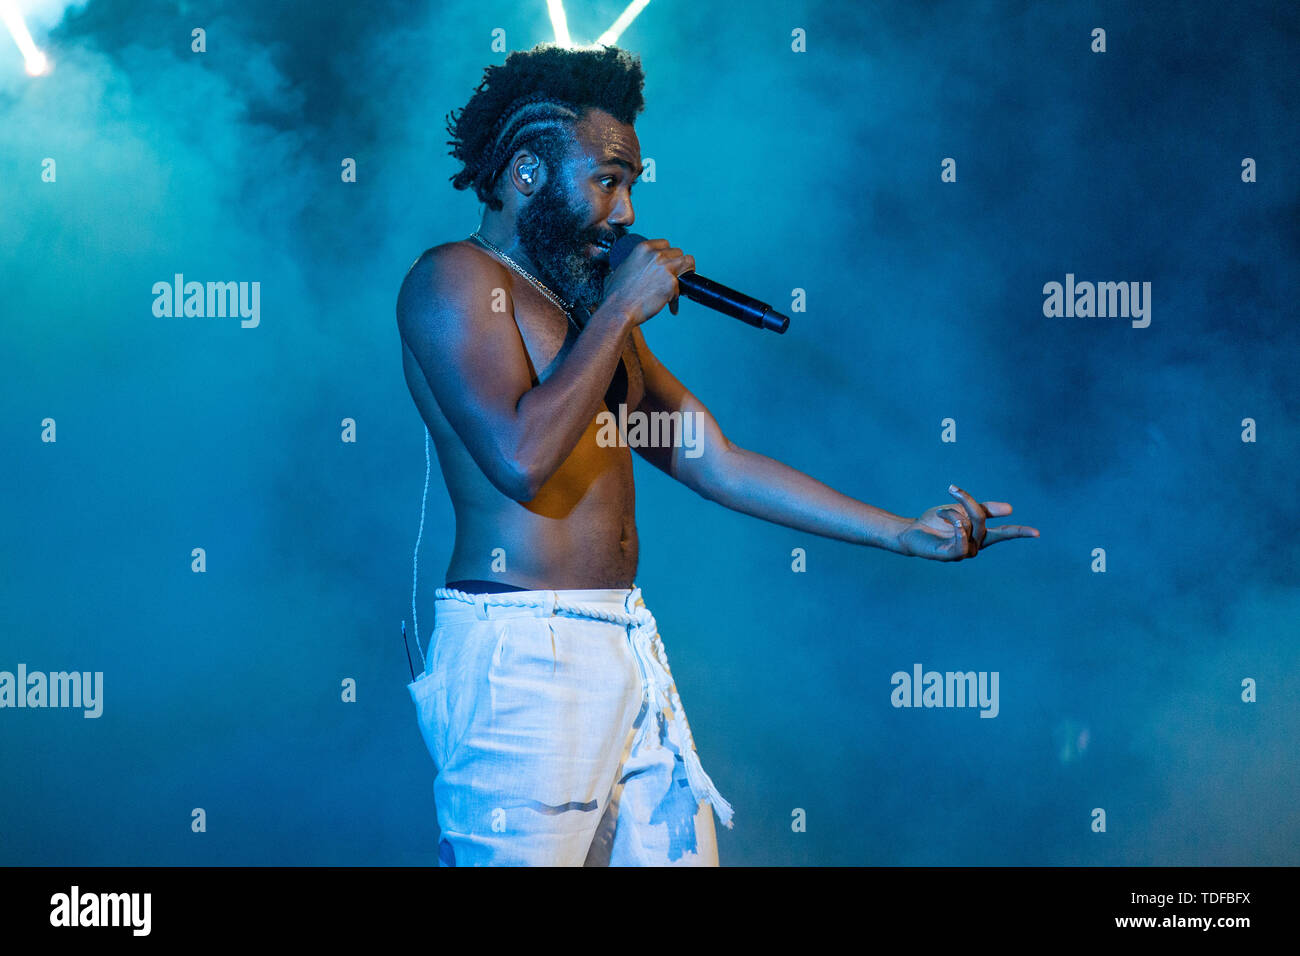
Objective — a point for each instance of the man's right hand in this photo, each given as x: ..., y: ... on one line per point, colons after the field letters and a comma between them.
x: 646, y: 280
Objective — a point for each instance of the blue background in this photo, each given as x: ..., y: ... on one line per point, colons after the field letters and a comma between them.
x: 816, y: 170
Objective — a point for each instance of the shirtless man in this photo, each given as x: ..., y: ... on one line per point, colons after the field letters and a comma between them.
x: 566, y: 743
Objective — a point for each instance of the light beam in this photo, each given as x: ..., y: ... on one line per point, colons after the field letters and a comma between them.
x: 610, y: 36
x: 559, y: 22
x: 33, y: 59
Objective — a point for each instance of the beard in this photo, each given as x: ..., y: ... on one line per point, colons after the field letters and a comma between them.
x: 551, y: 230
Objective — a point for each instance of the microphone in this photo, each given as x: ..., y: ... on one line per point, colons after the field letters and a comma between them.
x: 709, y: 293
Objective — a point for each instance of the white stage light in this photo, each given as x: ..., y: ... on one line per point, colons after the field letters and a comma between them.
x: 559, y: 22
x: 610, y: 36
x: 33, y: 59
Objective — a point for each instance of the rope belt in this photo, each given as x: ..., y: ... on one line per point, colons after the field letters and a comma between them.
x: 657, y: 688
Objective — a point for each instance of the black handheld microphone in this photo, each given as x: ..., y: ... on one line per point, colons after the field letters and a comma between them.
x: 709, y: 293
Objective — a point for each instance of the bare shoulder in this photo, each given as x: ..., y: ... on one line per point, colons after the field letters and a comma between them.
x: 445, y: 280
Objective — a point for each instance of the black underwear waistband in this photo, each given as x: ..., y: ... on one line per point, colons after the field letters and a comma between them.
x: 482, y: 587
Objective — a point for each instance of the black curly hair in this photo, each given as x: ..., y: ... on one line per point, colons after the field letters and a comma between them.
x: 533, y: 100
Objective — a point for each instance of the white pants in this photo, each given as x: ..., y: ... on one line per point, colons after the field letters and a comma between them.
x: 558, y: 734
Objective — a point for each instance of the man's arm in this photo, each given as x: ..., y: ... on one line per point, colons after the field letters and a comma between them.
x: 751, y: 483
x: 477, y: 368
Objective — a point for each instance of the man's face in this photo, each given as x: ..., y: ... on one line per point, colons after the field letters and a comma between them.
x: 585, y: 201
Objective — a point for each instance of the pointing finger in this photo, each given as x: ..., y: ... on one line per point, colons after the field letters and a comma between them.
x: 1008, y: 531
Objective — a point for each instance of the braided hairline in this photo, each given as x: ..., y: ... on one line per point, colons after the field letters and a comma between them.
x: 524, y: 120
x: 494, y: 135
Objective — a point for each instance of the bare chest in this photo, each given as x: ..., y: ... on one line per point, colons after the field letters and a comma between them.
x: 548, y: 338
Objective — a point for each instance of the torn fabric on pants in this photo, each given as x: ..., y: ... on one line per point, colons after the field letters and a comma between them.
x: 559, y: 735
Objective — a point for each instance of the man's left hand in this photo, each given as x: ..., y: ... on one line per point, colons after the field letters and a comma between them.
x: 955, y: 532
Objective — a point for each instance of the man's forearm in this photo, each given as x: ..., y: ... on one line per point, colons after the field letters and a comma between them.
x: 553, y: 415
x: 754, y: 484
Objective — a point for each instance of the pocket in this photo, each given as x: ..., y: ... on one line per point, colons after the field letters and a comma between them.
x: 442, y: 637
x: 429, y: 690
x: 430, y: 698
x: 456, y: 688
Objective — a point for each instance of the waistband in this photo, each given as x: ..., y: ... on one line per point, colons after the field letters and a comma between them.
x: 616, y: 605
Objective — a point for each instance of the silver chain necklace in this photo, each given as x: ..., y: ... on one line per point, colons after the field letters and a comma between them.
x: 536, y: 283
